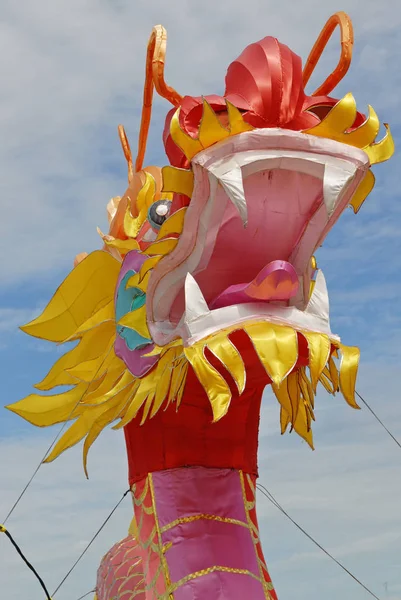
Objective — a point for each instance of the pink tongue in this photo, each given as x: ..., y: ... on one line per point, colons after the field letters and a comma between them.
x: 276, y: 281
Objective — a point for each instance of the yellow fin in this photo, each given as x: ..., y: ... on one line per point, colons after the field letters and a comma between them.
x: 89, y: 370
x: 326, y: 383
x: 236, y: 120
x: 88, y: 288
x: 147, y: 407
x: 319, y: 350
x: 289, y: 398
x: 337, y: 121
x: 277, y: 348
x: 222, y: 347
x: 185, y: 142
x: 109, y: 381
x: 138, y: 282
x: 214, y: 384
x: 104, y: 315
x: 363, y: 190
x: 340, y: 119
x: 113, y: 411
x: 70, y: 438
x: 294, y: 393
x: 132, y: 281
x: 143, y: 201
x: 180, y: 181
x: 163, y: 376
x: 348, y: 372
x: 123, y: 246
x: 181, y: 385
x: 136, y: 320
x: 155, y: 351
x: 334, y: 376
x: 383, y: 150
x: 92, y: 345
x: 162, y: 247
x: 178, y: 377
x: 282, y: 395
x: 125, y: 380
x: 173, y: 224
x: 145, y: 387
x: 43, y: 411
x: 284, y: 420
x: 366, y: 133
x: 151, y: 263
x: 130, y: 409
x: 210, y: 129
x: 306, y: 387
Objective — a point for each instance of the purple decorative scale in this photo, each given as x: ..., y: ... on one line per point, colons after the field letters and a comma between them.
x: 136, y: 362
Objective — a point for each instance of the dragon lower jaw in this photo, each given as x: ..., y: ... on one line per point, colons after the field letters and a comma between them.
x: 199, y: 322
x: 231, y: 264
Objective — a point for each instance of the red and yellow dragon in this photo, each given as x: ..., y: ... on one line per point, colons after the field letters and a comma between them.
x: 206, y: 291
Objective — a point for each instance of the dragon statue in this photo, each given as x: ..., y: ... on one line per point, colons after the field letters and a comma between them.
x: 205, y: 291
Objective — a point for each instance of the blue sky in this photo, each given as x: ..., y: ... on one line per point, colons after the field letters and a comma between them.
x: 71, y: 72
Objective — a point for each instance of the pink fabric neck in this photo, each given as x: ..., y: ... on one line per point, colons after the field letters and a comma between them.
x: 199, y: 536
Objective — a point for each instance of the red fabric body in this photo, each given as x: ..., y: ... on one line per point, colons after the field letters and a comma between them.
x: 188, y: 437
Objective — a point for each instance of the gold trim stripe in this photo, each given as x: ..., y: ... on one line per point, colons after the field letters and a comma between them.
x: 210, y: 570
x: 162, y: 558
x: 205, y: 517
x: 139, y: 501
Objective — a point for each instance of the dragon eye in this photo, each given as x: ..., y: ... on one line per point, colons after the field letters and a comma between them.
x: 158, y: 213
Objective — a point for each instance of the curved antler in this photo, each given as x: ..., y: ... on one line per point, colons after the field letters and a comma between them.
x: 154, y: 78
x: 127, y: 150
x: 158, y: 40
x: 342, y: 20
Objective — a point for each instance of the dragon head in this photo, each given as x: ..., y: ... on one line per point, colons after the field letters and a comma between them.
x: 208, y: 266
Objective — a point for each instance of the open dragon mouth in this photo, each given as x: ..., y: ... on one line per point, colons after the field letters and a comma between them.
x: 207, y: 283
x: 231, y: 263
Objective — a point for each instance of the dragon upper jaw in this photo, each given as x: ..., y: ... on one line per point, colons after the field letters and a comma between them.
x: 316, y: 177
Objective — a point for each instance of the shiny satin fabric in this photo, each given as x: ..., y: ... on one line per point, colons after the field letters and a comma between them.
x: 198, y: 535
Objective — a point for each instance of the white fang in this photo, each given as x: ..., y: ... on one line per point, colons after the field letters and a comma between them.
x: 318, y: 305
x: 334, y: 182
x: 195, y: 304
x: 234, y: 188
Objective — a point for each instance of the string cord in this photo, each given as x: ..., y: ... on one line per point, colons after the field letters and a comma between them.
x: 90, y: 543
x: 87, y: 594
x: 26, y: 561
x: 271, y: 498
x: 14, y: 506
x: 378, y: 420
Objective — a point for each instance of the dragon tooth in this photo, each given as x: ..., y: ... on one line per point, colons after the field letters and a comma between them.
x: 335, y: 179
x: 318, y: 305
x: 195, y: 303
x: 234, y: 188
